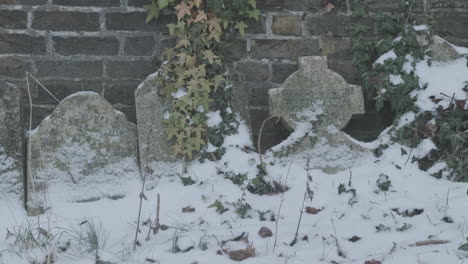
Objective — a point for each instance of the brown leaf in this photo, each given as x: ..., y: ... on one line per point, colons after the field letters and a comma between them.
x: 329, y: 7
x: 312, y: 210
x: 265, y: 232
x: 429, y: 130
x: 200, y: 17
x: 242, y: 254
x: 188, y: 209
x: 373, y: 262
x: 434, y: 100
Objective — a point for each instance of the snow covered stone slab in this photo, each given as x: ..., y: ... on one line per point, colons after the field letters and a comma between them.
x: 85, y: 150
x: 156, y: 154
x: 316, y: 103
x: 11, y: 138
x: 442, y: 50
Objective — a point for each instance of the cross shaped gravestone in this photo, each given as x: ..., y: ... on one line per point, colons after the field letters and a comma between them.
x: 320, y: 102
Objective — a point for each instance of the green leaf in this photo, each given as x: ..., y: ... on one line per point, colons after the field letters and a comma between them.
x: 187, y: 181
x: 163, y: 3
x: 241, y: 26
x: 463, y: 247
x: 341, y: 188
x: 153, y: 11
x: 383, y: 182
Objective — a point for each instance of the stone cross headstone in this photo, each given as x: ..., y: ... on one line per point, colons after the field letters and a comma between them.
x: 11, y: 138
x: 323, y: 95
x: 152, y: 108
x: 85, y: 150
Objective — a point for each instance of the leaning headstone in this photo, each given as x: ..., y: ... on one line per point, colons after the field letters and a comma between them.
x: 11, y: 139
x: 155, y: 150
x: 84, y: 151
x: 152, y: 107
x: 317, y: 103
x: 442, y: 50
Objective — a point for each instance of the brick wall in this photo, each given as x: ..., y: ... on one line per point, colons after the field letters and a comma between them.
x: 106, y: 46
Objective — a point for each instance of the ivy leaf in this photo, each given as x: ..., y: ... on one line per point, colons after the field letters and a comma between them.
x: 182, y: 10
x: 209, y: 56
x: 153, y: 11
x: 241, y: 26
x: 463, y: 247
x: 163, y: 3
x: 198, y: 3
x: 253, y: 3
x: 200, y: 17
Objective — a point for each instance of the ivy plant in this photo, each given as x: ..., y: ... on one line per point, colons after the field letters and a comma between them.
x: 194, y: 75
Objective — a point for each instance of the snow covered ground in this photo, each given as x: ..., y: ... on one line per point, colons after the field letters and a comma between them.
x: 389, y: 223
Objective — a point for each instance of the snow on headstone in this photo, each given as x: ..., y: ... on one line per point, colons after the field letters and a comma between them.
x: 11, y: 138
x: 83, y: 151
x: 316, y: 103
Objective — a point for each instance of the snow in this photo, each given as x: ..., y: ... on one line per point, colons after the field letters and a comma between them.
x: 181, y: 92
x: 448, y: 78
x: 389, y: 55
x: 421, y: 27
x: 214, y: 118
x: 395, y: 79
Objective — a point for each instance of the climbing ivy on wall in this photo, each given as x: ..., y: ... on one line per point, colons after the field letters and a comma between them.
x: 195, y: 75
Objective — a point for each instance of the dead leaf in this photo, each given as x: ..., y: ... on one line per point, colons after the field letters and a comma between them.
x: 461, y: 103
x: 373, y: 262
x: 188, y: 209
x: 329, y: 7
x: 265, y: 232
x: 242, y: 254
x: 429, y: 130
x: 312, y: 210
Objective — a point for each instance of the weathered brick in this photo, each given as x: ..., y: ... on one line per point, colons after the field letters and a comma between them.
x: 259, y: 96
x: 61, y: 89
x: 256, y: 27
x: 128, y: 110
x: 293, y: 5
x: 86, y: 45
x: 71, y: 69
x: 21, y: 44
x: 346, y: 69
x: 287, y: 25
x: 448, y: 4
x: 452, y: 25
x: 65, y: 21
x: 235, y: 49
x: 335, y: 47
x: 139, y: 3
x: 281, y: 71
x: 129, y: 69
x: 285, y: 49
x: 14, y: 67
x: 23, y: 2
x: 39, y: 112
x: 99, y: 3
x: 338, y: 26
x: 135, y: 21
x: 253, y: 71
x: 121, y: 92
x: 13, y: 19
x: 140, y: 46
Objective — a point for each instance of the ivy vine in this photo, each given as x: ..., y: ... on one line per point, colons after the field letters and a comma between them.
x: 195, y: 75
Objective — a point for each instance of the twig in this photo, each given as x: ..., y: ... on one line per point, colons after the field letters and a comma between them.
x: 429, y: 242
x: 338, y: 248
x: 259, y: 140
x: 281, y: 205
x: 156, y: 226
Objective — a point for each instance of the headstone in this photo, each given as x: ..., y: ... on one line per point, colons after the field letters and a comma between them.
x: 320, y: 102
x: 85, y: 150
x: 152, y: 107
x: 155, y: 150
x: 442, y: 51
x: 11, y: 139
